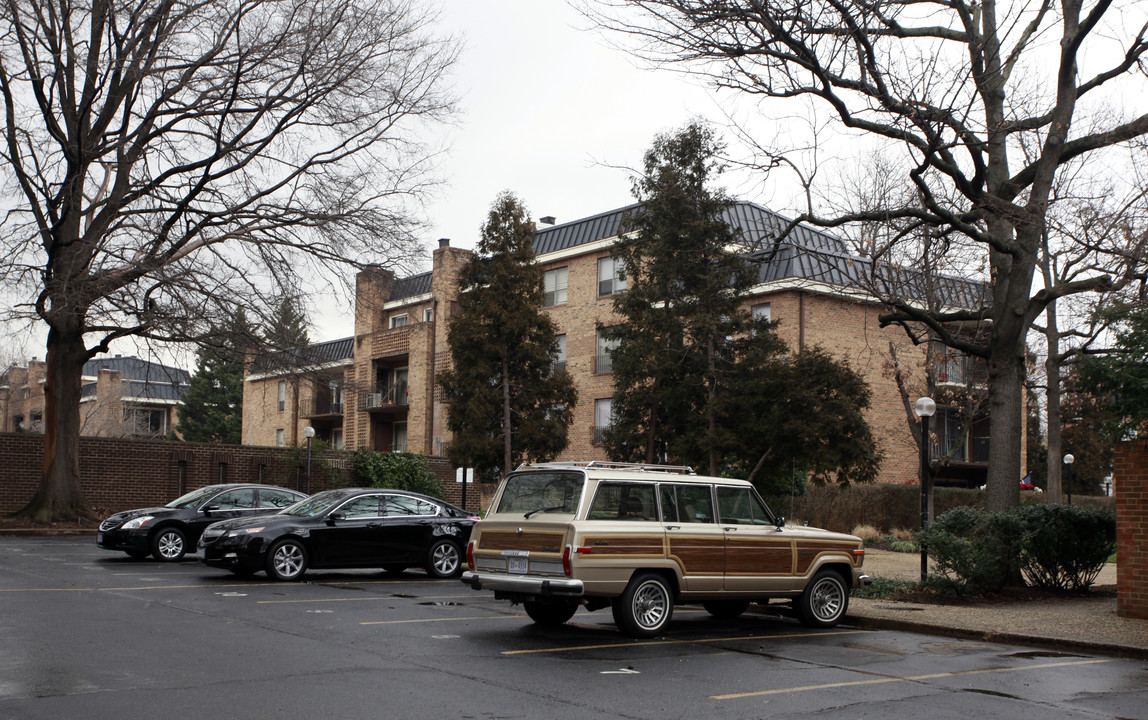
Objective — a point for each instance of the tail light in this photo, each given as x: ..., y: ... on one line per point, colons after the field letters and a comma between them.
x: 470, y: 555
x: 566, y: 562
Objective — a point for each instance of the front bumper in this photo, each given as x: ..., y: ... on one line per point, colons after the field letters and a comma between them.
x: 247, y: 555
x: 126, y: 540
x: 523, y: 584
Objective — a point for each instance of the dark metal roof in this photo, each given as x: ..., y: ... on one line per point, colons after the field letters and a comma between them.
x: 758, y: 227
x: 139, y: 378
x: 412, y: 286
x: 314, y: 355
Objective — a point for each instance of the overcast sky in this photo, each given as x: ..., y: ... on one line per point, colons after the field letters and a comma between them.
x: 549, y: 111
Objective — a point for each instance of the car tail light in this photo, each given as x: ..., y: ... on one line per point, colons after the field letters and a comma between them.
x: 566, y: 562
x: 470, y: 555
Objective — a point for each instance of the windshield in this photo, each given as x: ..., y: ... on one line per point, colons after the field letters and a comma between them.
x: 193, y: 498
x: 535, y: 492
x: 316, y: 504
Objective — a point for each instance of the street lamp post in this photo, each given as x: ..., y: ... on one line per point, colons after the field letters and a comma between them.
x: 308, y: 432
x: 1068, y: 475
x: 924, y: 407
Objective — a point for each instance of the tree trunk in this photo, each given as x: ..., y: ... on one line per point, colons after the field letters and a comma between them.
x: 60, y: 497
x: 1052, y: 372
x: 1006, y: 411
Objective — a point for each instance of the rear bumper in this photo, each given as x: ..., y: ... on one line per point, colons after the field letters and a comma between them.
x: 523, y: 584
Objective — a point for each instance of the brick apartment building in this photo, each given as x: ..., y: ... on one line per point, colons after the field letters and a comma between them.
x: 378, y: 389
x: 120, y: 397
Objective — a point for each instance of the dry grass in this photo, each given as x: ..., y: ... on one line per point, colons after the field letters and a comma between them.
x: 866, y: 532
x: 902, y: 533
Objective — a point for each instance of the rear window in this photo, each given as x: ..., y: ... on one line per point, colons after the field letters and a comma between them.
x: 541, y: 492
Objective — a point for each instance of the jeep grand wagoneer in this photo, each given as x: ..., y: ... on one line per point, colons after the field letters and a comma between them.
x: 641, y: 539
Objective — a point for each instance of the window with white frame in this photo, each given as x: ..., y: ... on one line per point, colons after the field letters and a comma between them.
x: 400, y: 437
x: 428, y: 314
x: 282, y: 395
x: 604, y: 362
x: 398, y: 320
x: 280, y: 438
x: 560, y: 355
x: 611, y: 276
x: 761, y: 311
x: 148, y: 422
x: 603, y: 417
x: 554, y: 287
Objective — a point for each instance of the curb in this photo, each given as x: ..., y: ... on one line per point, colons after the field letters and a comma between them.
x: 45, y: 532
x: 873, y: 623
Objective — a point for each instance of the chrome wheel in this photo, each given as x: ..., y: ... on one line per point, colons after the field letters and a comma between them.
x: 824, y: 601
x: 444, y: 559
x: 168, y: 545
x: 646, y: 606
x: 287, y: 560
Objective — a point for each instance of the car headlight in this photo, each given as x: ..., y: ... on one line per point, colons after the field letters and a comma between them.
x: 242, y: 531
x: 136, y: 523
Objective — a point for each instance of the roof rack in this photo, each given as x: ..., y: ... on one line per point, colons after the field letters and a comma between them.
x: 610, y: 465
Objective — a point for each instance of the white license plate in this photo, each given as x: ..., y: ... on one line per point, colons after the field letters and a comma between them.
x: 517, y: 566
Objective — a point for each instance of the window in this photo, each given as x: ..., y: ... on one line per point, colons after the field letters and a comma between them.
x: 604, y: 362
x: 761, y: 311
x: 687, y: 504
x: 559, y: 356
x: 367, y: 506
x: 282, y: 395
x: 401, y: 505
x: 603, y: 418
x: 428, y: 314
x: 336, y: 397
x: 628, y: 503
x: 337, y: 439
x: 145, y: 421
x: 400, y: 437
x: 951, y: 365
x: 611, y: 276
x: 243, y: 499
x: 949, y: 428
x: 398, y: 321
x: 271, y: 498
x: 279, y: 439
x: 739, y: 506
x: 554, y: 287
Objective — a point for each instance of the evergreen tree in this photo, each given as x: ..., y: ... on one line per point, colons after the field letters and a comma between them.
x: 1119, y: 378
x: 506, y: 402
x: 212, y: 409
x: 696, y: 378
x: 681, y: 309
x: 287, y: 327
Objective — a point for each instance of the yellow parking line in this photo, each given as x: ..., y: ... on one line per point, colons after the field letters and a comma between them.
x: 606, y: 646
x: 915, y: 678
x: 446, y: 619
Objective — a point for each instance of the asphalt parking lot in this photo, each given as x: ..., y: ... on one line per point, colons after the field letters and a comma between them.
x: 93, y: 634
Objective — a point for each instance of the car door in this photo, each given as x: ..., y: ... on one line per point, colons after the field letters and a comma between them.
x: 347, y: 538
x: 758, y: 555
x: 694, y: 539
x: 407, y: 530
x: 234, y: 503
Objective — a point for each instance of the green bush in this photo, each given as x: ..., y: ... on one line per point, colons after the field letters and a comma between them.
x: 979, y: 549
x: 1066, y: 545
x: 401, y: 471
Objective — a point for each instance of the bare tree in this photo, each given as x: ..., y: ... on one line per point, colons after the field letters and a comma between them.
x: 951, y: 90
x: 174, y: 159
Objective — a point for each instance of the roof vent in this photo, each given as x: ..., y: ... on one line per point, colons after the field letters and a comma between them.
x: 548, y: 220
x: 444, y: 242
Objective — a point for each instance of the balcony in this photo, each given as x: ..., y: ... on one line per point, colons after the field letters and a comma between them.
x: 394, y: 401
x: 325, y: 408
x: 604, y: 363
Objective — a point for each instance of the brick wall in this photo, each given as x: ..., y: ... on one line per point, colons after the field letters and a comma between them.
x: 120, y: 474
x: 1130, y: 480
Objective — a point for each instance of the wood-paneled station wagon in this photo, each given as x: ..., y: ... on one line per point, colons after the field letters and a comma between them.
x: 642, y: 538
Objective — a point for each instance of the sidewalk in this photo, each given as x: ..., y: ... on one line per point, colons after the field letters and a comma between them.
x: 1087, y: 624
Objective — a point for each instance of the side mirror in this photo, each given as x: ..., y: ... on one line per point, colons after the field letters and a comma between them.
x: 210, y: 509
x: 779, y: 521
x: 333, y: 517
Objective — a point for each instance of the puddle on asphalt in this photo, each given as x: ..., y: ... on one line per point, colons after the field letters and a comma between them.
x: 444, y: 603
x: 1032, y: 654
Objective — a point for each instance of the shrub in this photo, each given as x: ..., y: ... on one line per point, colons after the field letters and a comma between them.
x: 981, y: 550
x: 866, y: 532
x: 1065, y: 546
x: 401, y: 471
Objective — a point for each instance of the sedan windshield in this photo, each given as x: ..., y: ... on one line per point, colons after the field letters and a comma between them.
x: 193, y: 498
x: 316, y: 504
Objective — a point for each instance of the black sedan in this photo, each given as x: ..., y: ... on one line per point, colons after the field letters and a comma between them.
x: 168, y: 532
x: 347, y: 528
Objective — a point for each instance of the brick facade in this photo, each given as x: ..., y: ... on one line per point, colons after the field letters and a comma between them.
x: 808, y: 314
x: 1130, y: 480
x: 120, y: 473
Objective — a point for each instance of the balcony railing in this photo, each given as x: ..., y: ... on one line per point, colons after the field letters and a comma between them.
x: 600, y: 434
x: 394, y: 397
x: 326, y: 407
x: 604, y: 364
